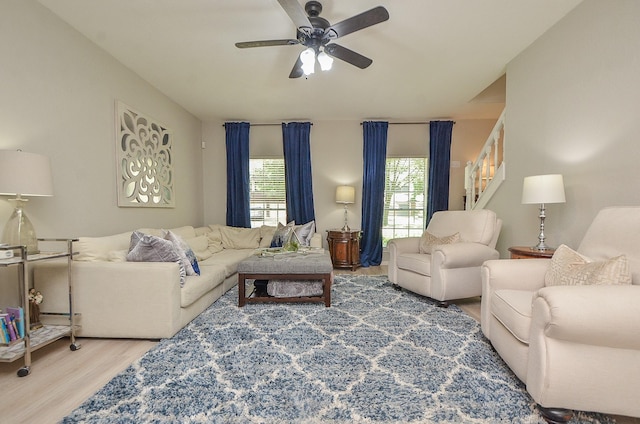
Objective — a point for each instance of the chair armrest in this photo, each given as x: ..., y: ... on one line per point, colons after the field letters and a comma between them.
x: 404, y: 245
x: 513, y: 274
x: 591, y: 315
x: 396, y: 247
x: 462, y: 255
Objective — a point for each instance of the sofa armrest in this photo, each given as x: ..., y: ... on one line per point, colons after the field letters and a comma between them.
x: 512, y: 274
x: 316, y: 240
x: 591, y: 315
x: 139, y: 299
x: 462, y: 255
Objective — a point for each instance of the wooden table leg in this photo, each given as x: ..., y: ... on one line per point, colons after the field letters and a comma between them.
x: 241, y: 290
x: 326, y: 289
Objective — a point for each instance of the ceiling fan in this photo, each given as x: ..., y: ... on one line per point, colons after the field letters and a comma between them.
x: 317, y: 35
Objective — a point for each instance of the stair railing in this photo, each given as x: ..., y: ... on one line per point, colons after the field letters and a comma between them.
x: 486, y: 174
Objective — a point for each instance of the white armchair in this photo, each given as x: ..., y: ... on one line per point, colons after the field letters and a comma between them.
x: 451, y: 271
x: 576, y: 347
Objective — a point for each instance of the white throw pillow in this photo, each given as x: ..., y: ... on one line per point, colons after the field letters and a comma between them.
x: 428, y: 241
x: 568, y: 267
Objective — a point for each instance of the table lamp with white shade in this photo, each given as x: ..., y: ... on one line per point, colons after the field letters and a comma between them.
x: 543, y: 189
x: 345, y: 195
x: 23, y: 174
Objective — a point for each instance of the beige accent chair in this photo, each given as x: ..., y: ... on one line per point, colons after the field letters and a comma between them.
x: 575, y: 347
x: 451, y: 271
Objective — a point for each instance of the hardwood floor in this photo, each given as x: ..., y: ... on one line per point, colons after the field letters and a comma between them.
x: 61, y: 380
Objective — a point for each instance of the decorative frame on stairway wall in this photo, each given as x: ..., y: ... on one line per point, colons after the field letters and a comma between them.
x: 144, y: 160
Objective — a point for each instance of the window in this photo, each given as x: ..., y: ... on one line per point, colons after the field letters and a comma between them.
x: 404, y: 198
x: 267, y: 201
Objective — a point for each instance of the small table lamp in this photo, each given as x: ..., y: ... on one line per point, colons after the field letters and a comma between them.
x: 23, y: 174
x: 345, y: 195
x: 543, y: 189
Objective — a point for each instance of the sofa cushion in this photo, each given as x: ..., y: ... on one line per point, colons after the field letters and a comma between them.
x: 416, y: 262
x: 197, y: 285
x: 200, y: 246
x: 266, y: 234
x: 513, y: 309
x: 428, y: 241
x: 568, y: 267
x: 187, y: 257
x: 148, y: 248
x: 229, y: 259
x: 240, y: 238
x: 215, y: 239
x: 99, y: 248
x: 185, y: 232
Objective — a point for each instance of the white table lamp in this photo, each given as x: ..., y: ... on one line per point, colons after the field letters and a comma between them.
x: 23, y: 174
x: 543, y: 189
x: 345, y: 195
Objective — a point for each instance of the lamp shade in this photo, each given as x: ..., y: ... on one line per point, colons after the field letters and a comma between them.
x: 543, y: 189
x: 26, y: 174
x: 345, y: 194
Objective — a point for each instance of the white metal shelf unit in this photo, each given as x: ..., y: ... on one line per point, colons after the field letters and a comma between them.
x: 35, y: 339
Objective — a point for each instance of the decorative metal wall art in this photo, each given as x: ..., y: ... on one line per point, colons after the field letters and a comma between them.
x: 144, y: 160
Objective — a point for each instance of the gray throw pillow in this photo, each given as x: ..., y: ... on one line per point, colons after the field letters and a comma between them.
x: 147, y: 248
x: 305, y: 232
x: 187, y: 257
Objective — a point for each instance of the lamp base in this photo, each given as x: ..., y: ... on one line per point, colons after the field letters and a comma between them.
x: 19, y: 231
x: 345, y: 227
x: 541, y: 237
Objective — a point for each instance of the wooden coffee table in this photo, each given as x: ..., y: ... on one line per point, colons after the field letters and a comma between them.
x: 288, y: 266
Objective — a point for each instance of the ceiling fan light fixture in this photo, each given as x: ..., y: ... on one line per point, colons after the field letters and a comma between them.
x: 308, y: 59
x: 325, y: 61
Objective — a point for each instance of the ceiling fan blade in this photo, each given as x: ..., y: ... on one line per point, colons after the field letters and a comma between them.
x: 358, y: 22
x: 343, y: 53
x: 266, y: 43
x: 296, y: 72
x: 296, y: 13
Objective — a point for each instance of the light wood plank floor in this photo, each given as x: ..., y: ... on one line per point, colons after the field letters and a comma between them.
x: 61, y: 380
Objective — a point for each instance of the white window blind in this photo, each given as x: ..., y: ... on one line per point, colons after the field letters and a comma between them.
x: 404, y: 198
x: 267, y: 196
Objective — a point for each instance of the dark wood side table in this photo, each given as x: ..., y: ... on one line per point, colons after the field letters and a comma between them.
x: 525, y: 252
x: 344, y: 247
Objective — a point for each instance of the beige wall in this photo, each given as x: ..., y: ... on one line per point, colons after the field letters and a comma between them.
x: 572, y: 108
x: 336, y: 155
x: 58, y: 96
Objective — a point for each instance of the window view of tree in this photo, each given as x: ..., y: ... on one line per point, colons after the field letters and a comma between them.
x: 404, y: 198
x: 267, y: 192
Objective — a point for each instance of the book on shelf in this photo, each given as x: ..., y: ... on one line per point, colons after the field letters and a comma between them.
x: 18, y: 316
x: 6, y: 338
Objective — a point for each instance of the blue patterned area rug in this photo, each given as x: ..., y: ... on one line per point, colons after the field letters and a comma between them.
x: 377, y: 355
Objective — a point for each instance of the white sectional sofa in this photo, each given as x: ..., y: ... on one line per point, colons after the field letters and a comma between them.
x: 120, y: 299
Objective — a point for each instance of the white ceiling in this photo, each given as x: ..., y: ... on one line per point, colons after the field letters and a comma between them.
x: 430, y: 59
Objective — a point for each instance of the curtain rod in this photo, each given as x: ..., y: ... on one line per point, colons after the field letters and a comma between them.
x: 268, y: 124
x: 412, y: 123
